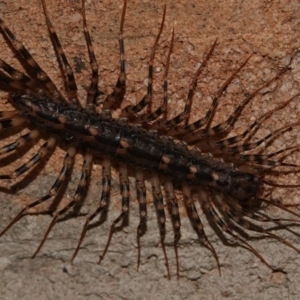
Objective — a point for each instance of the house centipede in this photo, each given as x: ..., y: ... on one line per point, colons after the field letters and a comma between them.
x: 48, y: 111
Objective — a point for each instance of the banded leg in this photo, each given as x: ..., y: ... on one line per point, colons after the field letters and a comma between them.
x: 161, y: 217
x: 91, y: 100
x: 36, y: 158
x: 174, y: 211
x: 196, y: 221
x: 105, y: 196
x: 204, y: 121
x: 224, y: 144
x: 216, y: 218
x: 19, y: 79
x: 68, y: 163
x: 226, y: 127
x: 279, y: 205
x: 11, y: 122
x: 32, y: 66
x: 133, y: 109
x: 15, y: 74
x: 148, y: 117
x: 21, y: 141
x: 267, y: 139
x: 114, y: 99
x: 124, y: 185
x: 184, y: 116
x: 234, y: 154
x: 262, y: 218
x: 141, y: 196
x: 236, y: 217
x: 263, y: 160
x: 71, y: 86
x: 11, y: 85
x: 8, y: 114
x: 77, y: 198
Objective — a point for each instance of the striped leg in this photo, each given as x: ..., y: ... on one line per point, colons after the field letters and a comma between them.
x: 226, y: 127
x: 263, y: 161
x: 93, y: 92
x: 105, y: 196
x: 162, y: 110
x: 114, y: 99
x: 11, y: 85
x: 32, y: 66
x: 8, y: 114
x: 21, y: 141
x: 235, y: 216
x: 34, y: 160
x: 184, y: 116
x: 10, y: 122
x: 68, y: 163
x: 204, y: 121
x: 20, y: 79
x: 131, y: 110
x: 161, y: 216
x: 77, y: 198
x: 217, y: 219
x: 267, y: 139
x: 141, y: 196
x: 197, y: 223
x: 124, y: 185
x: 224, y: 144
x: 174, y: 210
x: 148, y: 117
x: 71, y: 86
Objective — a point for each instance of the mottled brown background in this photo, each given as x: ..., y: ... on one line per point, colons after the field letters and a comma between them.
x: 270, y: 30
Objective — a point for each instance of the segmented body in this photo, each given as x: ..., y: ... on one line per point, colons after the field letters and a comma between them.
x: 135, y: 146
x: 100, y: 134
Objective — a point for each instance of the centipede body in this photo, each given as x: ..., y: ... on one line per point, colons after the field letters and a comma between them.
x: 280, y: 83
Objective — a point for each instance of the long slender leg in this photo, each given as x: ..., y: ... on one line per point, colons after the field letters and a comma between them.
x: 236, y: 217
x: 174, y: 210
x: 279, y: 205
x: 8, y: 114
x: 228, y: 124
x: 266, y: 139
x: 6, y: 123
x: 67, y: 70
x: 17, y: 75
x: 11, y: 85
x: 91, y: 100
x: 68, y: 163
x: 161, y: 216
x: 235, y: 153
x: 77, y: 198
x: 260, y: 217
x: 133, y: 109
x: 106, y: 186
x: 223, y: 144
x: 116, y: 97
x: 263, y: 160
x: 141, y: 196
x: 184, y: 116
x: 32, y: 66
x: 201, y: 122
x: 209, y: 208
x: 196, y: 221
x: 36, y: 158
x: 124, y: 185
x: 22, y: 140
x: 148, y: 117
